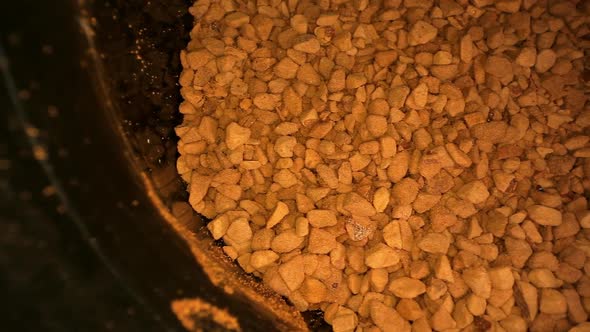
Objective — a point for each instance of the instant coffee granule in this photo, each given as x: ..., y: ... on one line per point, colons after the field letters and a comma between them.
x: 401, y: 165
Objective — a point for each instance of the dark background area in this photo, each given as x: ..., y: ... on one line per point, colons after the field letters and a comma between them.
x: 51, y: 278
x: 81, y: 247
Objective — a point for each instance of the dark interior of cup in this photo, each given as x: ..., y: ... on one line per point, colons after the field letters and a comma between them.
x: 62, y: 57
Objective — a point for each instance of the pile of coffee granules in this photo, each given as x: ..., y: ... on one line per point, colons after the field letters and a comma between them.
x: 403, y: 166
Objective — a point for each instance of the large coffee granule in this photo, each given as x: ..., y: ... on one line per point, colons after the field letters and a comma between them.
x: 402, y: 166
